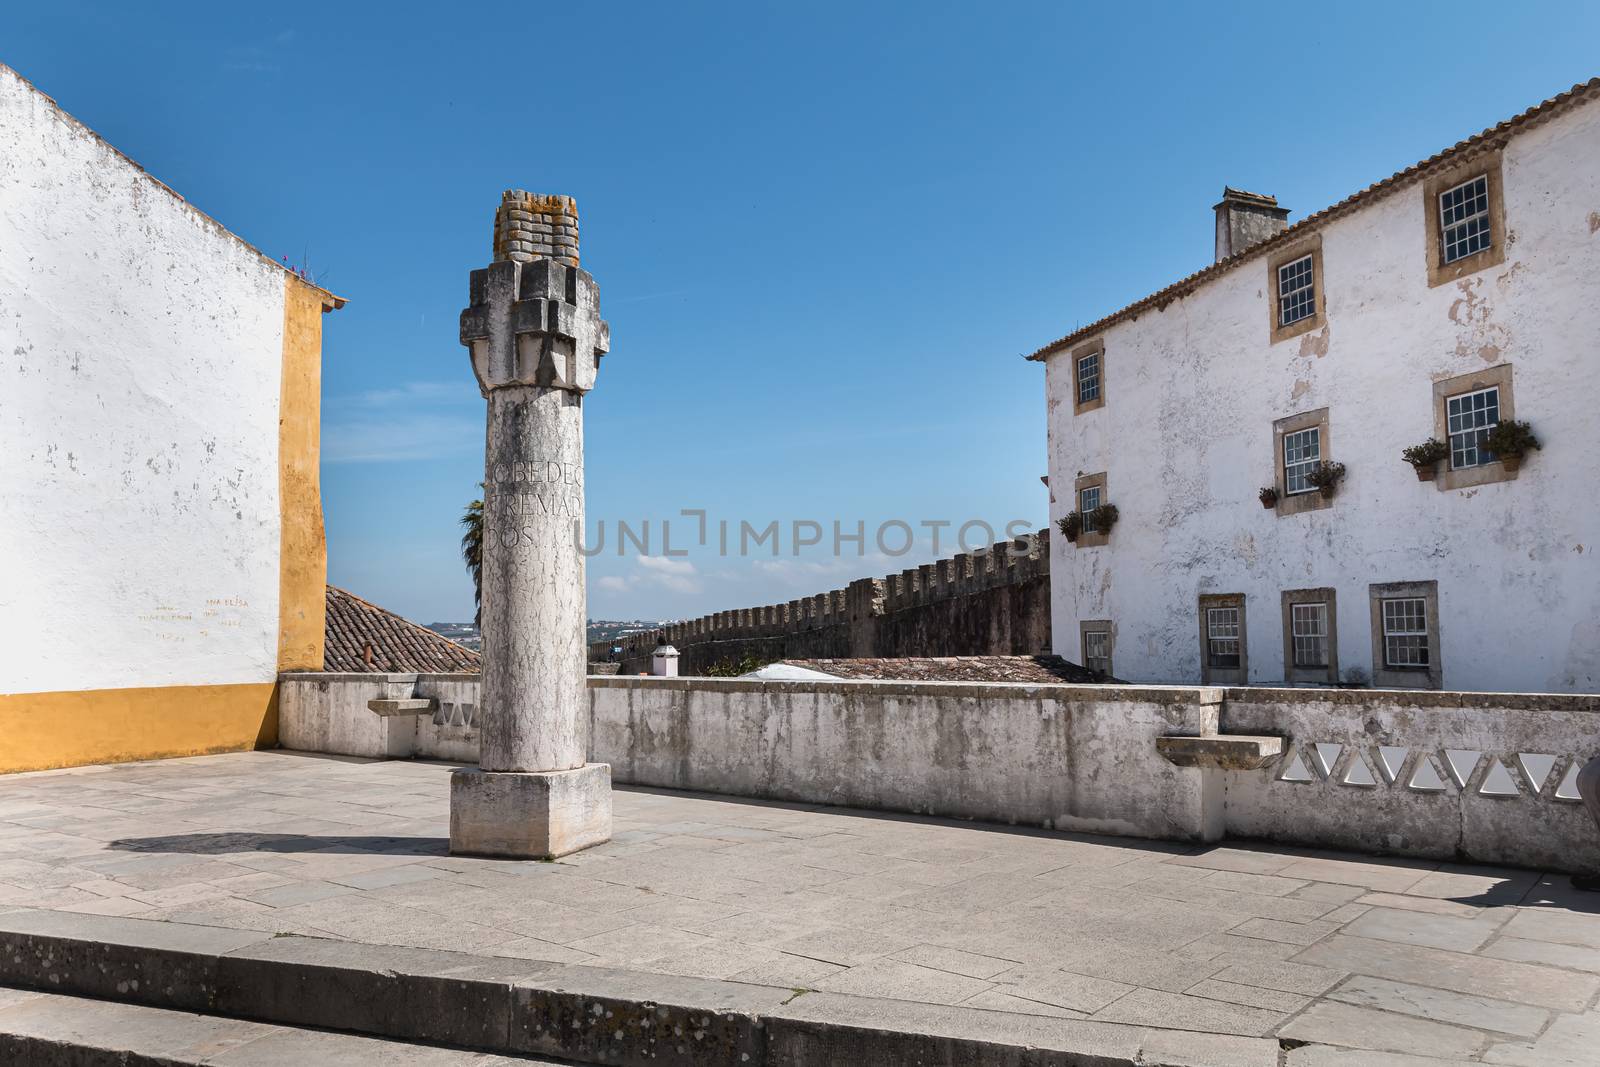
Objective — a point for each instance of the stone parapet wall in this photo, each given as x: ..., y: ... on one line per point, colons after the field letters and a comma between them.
x: 1487, y: 776
x: 1477, y: 777
x: 994, y: 602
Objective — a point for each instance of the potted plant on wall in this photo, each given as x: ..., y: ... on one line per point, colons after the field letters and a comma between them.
x: 1101, y: 519
x: 1070, y: 524
x: 1268, y: 496
x: 1326, y: 477
x: 1424, y: 458
x: 1510, y: 441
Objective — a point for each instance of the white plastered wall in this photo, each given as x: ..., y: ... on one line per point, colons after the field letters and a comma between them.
x: 1186, y: 440
x: 140, y: 373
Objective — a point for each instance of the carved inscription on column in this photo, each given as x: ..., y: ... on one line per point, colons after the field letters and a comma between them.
x: 522, y: 496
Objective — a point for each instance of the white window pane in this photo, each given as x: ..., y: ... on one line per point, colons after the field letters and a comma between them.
x: 1088, y: 500
x: 1097, y: 651
x: 1297, y: 291
x: 1089, y: 378
x: 1222, y: 637
x: 1468, y: 420
x: 1405, y: 632
x: 1464, y: 219
x: 1308, y: 624
x: 1302, y: 451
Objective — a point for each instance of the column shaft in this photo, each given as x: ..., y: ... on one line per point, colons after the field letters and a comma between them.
x: 534, y: 702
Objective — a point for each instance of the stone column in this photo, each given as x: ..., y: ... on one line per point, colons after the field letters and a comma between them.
x: 536, y: 337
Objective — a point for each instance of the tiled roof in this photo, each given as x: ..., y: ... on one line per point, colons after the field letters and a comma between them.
x: 1493, y: 137
x: 1038, y: 669
x: 362, y: 638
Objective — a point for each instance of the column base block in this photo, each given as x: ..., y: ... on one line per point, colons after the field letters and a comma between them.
x: 535, y: 815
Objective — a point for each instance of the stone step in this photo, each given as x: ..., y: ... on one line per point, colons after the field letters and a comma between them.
x: 588, y: 1015
x: 54, y: 1030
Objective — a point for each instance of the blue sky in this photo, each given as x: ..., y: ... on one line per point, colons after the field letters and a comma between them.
x: 824, y: 234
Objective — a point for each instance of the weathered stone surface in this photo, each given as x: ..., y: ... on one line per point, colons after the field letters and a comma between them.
x: 1234, y: 752
x: 165, y: 964
x: 533, y: 701
x: 707, y: 884
x: 404, y: 706
x: 1440, y: 1005
x: 1343, y: 1024
x: 523, y: 816
x: 61, y: 1031
x: 535, y: 336
x: 649, y: 1020
x: 389, y: 990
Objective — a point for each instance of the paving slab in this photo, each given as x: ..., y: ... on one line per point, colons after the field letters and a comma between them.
x: 1459, y: 934
x: 1524, y: 983
x: 1332, y: 1023
x: 965, y: 922
x: 1482, y: 1013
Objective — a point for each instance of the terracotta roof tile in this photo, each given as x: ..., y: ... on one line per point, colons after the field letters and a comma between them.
x: 362, y: 638
x: 1493, y: 137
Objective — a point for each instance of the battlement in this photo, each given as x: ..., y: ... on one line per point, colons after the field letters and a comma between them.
x: 530, y: 226
x: 846, y: 619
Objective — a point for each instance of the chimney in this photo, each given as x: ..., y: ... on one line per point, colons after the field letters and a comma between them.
x: 1245, y: 219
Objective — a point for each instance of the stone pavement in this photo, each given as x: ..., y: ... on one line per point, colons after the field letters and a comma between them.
x: 1431, y: 962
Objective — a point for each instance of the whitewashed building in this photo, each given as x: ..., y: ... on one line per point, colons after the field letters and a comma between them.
x: 1456, y: 295
x: 161, y: 543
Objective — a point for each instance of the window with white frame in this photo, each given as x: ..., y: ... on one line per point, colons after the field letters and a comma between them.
x: 1405, y: 632
x: 1468, y: 420
x: 1088, y: 500
x: 1222, y: 637
x: 1088, y: 378
x: 1308, y: 624
x: 1297, y: 291
x: 1097, y: 650
x: 1464, y: 219
x: 1302, y: 451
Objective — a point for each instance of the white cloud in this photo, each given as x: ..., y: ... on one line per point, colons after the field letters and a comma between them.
x: 676, y: 575
x: 416, y: 420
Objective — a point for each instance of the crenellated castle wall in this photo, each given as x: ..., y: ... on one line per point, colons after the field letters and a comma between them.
x: 995, y: 601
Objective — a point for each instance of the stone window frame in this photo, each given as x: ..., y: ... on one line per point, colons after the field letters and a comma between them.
x: 1310, y: 246
x: 1498, y: 377
x: 1210, y: 675
x: 1328, y: 675
x: 1088, y: 626
x: 1097, y: 347
x: 1488, y: 164
x: 1281, y: 428
x: 1090, y: 481
x: 1384, y: 676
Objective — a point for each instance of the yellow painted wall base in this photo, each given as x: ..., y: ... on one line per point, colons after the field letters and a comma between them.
x: 44, y: 730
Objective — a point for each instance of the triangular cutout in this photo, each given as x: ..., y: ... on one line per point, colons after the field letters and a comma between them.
x: 1359, y: 774
x: 1392, y: 760
x: 1568, y: 789
x: 1536, y: 768
x: 1498, y: 782
x: 1297, y: 770
x: 1325, y: 755
x: 1462, y: 762
x: 1425, y: 779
